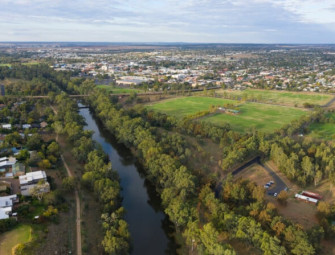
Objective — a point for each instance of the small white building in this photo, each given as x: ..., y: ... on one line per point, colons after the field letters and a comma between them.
x: 7, y: 162
x: 6, y: 205
x: 6, y: 126
x: 32, y: 181
x: 307, y: 199
x: 26, y: 126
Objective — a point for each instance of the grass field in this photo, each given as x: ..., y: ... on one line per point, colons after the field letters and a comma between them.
x: 323, y: 130
x: 119, y: 90
x: 26, y: 64
x: 262, y: 117
x: 281, y: 97
x: 8, y: 240
x: 181, y: 107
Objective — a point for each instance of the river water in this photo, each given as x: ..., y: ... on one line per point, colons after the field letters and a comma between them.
x: 149, y: 227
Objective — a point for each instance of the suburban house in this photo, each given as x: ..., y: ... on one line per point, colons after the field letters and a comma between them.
x: 33, y: 181
x: 6, y: 205
x: 10, y: 168
x: 6, y: 126
x: 7, y: 162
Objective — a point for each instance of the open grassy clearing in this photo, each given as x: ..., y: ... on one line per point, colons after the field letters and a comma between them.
x: 183, y: 106
x: 26, y: 64
x: 323, y: 130
x: 280, y: 97
x: 9, y: 240
x: 266, y: 118
x: 119, y: 90
x: 262, y: 117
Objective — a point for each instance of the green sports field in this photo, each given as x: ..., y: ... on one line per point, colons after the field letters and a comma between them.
x: 115, y: 90
x: 262, y: 117
x: 280, y: 97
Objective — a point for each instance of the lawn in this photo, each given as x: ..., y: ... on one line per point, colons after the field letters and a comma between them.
x: 181, y: 107
x: 26, y: 64
x: 115, y: 90
x: 323, y: 130
x: 8, y: 240
x: 262, y: 117
x: 280, y: 97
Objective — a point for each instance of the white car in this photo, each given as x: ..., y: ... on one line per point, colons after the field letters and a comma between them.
x: 275, y: 194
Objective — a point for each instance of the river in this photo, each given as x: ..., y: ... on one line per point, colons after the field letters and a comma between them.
x: 150, y: 230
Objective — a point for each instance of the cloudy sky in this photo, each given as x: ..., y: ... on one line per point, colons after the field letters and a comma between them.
x: 226, y: 21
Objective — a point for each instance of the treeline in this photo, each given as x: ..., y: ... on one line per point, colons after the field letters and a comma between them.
x: 98, y: 175
x: 33, y: 79
x: 176, y: 184
x: 305, y: 162
x: 207, y: 223
x: 300, y: 126
x: 187, y: 126
x: 24, y: 112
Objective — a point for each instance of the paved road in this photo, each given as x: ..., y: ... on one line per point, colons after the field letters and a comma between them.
x: 278, y: 185
x: 329, y: 103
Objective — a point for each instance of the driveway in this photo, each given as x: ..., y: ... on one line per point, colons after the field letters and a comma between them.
x: 278, y: 185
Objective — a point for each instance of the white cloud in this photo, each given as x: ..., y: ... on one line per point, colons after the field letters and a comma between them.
x: 311, y: 11
x: 170, y: 20
x: 307, y: 11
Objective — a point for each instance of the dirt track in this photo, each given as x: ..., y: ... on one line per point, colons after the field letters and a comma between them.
x: 78, y: 213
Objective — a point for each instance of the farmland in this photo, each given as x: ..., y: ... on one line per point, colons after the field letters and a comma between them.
x: 116, y: 90
x: 262, y: 117
x: 279, y: 97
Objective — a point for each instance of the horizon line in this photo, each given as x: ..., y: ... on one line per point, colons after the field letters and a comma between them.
x: 162, y: 42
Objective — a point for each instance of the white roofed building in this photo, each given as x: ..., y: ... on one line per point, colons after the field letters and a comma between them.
x: 6, y: 205
x: 32, y: 181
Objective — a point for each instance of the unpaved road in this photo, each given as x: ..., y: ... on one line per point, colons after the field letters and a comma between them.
x: 78, y: 219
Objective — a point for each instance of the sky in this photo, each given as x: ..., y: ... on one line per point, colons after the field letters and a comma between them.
x: 201, y: 21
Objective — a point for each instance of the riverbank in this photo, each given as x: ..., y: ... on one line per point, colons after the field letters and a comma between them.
x: 148, y: 225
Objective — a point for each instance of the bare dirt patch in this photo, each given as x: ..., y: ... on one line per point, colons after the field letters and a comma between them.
x: 328, y: 248
x: 255, y: 173
x: 298, y: 211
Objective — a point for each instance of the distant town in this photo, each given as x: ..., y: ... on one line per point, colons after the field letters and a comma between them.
x: 167, y: 149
